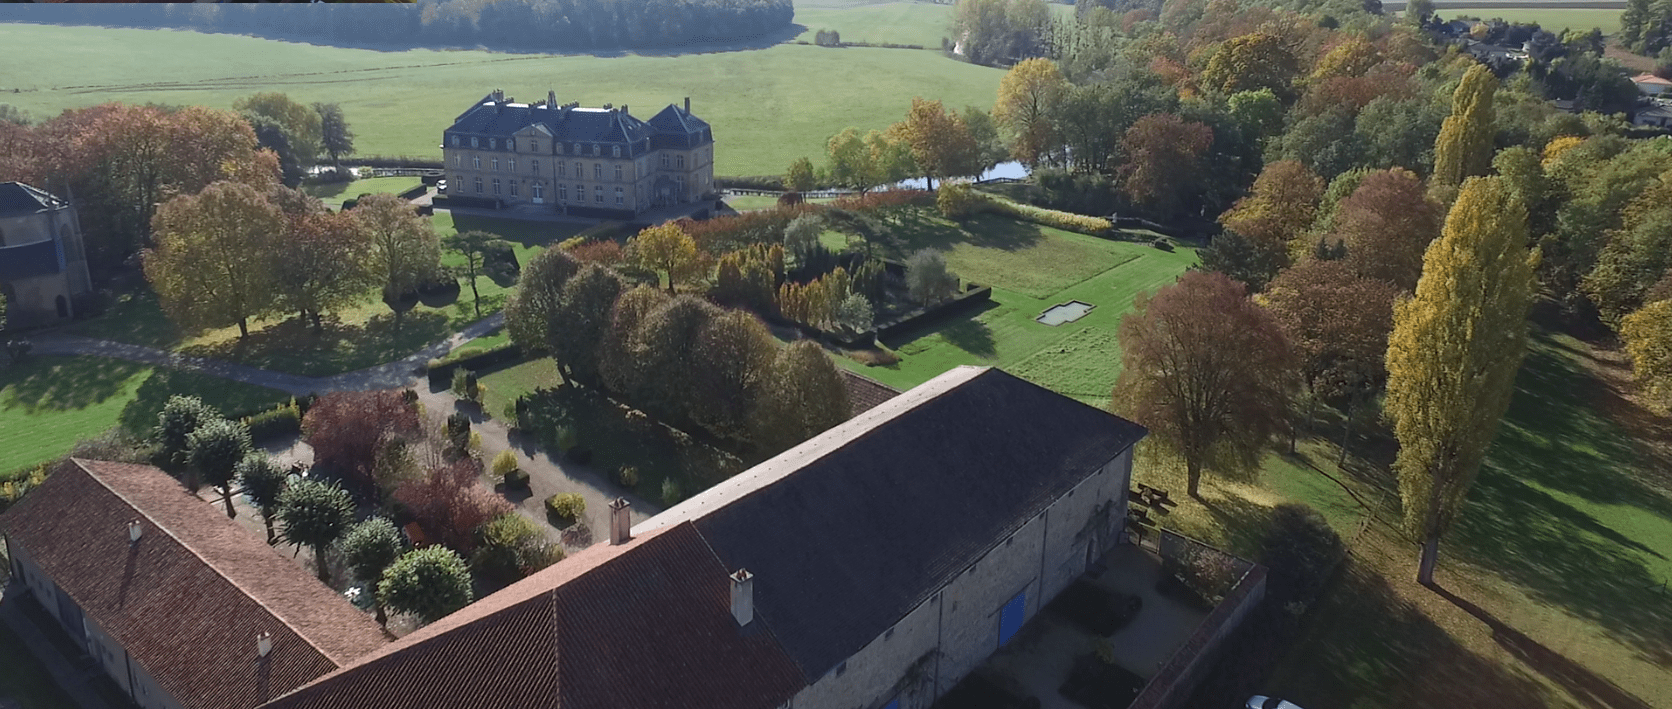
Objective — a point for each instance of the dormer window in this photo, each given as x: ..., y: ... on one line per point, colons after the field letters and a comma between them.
x: 510, y: 143
x: 455, y: 141
x: 595, y: 151
x: 577, y: 148
x: 493, y: 143
x: 617, y: 151
x: 559, y: 147
x: 474, y: 143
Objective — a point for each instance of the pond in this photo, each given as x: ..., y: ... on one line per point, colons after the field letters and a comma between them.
x: 1064, y: 313
x: 1010, y: 169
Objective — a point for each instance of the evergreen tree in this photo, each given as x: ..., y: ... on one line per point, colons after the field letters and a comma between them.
x: 1453, y: 355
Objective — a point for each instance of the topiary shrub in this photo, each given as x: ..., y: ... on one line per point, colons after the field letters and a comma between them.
x: 627, y: 476
x: 505, y: 462
x: 284, y: 420
x: 569, y: 506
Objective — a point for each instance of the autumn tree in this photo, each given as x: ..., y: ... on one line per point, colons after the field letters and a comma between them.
x: 429, y: 583
x: 315, y: 513
x: 1163, y: 156
x: 335, y: 138
x: 347, y: 428
x: 405, y: 251
x: 940, y: 142
x: 729, y: 365
x: 529, y: 310
x: 214, y: 451
x: 668, y: 249
x: 1647, y: 334
x: 803, y: 396
x: 864, y: 162
x: 263, y: 480
x: 1634, y: 256
x: 322, y: 266
x: 617, y: 366
x: 1338, y: 324
x: 1250, y: 62
x: 1353, y: 56
x: 449, y: 503
x: 1453, y: 355
x: 212, y: 266
x: 581, y: 320
x: 1207, y: 371
x: 1278, y: 210
x: 302, y: 124
x: 474, y: 246
x: 663, y: 347
x: 1387, y: 223
x: 800, y: 177
x: 1464, y: 148
x: 369, y: 548
x: 1027, y: 96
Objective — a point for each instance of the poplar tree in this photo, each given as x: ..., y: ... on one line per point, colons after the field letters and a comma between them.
x: 1464, y: 147
x: 1453, y: 354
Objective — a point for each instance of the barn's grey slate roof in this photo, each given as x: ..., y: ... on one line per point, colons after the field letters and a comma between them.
x: 29, y: 260
x: 848, y: 532
x: 19, y: 198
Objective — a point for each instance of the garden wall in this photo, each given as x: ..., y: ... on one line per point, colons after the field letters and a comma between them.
x: 1172, y: 685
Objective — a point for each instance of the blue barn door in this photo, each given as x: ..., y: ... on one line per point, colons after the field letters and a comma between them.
x: 1010, y: 619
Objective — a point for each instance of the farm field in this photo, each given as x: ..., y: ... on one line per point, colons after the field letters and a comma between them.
x: 49, y: 402
x: 1031, y: 268
x: 1552, y: 19
x: 356, y: 337
x: 768, y: 106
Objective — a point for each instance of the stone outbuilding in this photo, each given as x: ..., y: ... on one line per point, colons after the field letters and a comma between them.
x: 43, y: 265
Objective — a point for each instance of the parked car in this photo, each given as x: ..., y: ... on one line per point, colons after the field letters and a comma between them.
x: 1262, y: 702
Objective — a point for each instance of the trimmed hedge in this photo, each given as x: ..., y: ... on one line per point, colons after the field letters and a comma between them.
x: 282, y: 421
x: 415, y: 192
x: 440, y: 371
x: 1067, y: 221
x: 770, y: 183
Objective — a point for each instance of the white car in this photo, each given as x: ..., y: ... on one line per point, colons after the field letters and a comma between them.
x: 1261, y: 702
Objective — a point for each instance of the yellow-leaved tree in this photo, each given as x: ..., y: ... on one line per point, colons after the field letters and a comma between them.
x: 668, y: 249
x: 1452, y: 358
x: 1648, y: 338
x: 1464, y: 146
x: 213, y: 263
x: 1027, y: 95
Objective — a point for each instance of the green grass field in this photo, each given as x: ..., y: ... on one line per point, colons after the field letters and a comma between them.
x: 50, y: 402
x: 508, y: 383
x: 354, y: 338
x: 768, y: 106
x: 1031, y: 268
x: 1552, y: 19
x: 335, y: 193
x: 749, y: 203
x: 1560, y: 561
x: 24, y: 680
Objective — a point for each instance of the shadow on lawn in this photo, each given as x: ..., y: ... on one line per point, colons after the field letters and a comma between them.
x: 294, y: 347
x: 1596, y: 692
x: 51, y: 383
x: 527, y: 233
x: 1553, y: 438
x: 1364, y: 645
x: 916, y: 229
x: 230, y: 398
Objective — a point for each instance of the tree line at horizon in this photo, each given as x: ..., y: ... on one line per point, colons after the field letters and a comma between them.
x: 527, y: 25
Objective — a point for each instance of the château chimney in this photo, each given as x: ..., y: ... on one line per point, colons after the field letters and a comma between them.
x: 621, y: 521
x: 743, y: 597
x: 687, y: 104
x: 263, y: 644
x: 551, y: 99
x: 624, y: 109
x: 134, y: 532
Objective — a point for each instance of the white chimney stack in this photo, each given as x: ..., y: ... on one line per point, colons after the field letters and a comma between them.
x: 134, y: 532
x: 743, y: 596
x: 621, y: 521
x: 263, y: 644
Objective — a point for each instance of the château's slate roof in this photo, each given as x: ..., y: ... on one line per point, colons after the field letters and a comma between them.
x: 18, y: 198
x: 672, y: 125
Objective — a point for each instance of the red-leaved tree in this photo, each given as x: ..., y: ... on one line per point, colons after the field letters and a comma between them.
x: 1163, y: 156
x: 1207, y: 371
x: 346, y: 429
x: 1387, y: 224
x: 449, y: 502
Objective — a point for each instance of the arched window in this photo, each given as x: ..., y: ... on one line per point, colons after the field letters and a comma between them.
x: 616, y: 151
x: 455, y: 141
x: 596, y: 148
x: 474, y: 143
x: 510, y: 143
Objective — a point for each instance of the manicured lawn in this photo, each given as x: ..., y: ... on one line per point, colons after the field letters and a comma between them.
x: 357, y: 337
x: 505, y: 385
x: 1559, y: 564
x: 50, y: 402
x: 1552, y: 19
x: 767, y: 106
x: 24, y: 680
x: 334, y: 193
x: 1030, y: 268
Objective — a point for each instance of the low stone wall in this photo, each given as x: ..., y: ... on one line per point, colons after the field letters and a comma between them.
x: 1173, y: 684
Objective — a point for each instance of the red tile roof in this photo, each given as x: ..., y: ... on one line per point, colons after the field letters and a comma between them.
x: 189, y: 598
x: 865, y: 393
x: 645, y: 624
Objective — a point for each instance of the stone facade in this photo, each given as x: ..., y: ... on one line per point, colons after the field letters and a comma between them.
x: 584, y: 161
x: 43, y: 265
